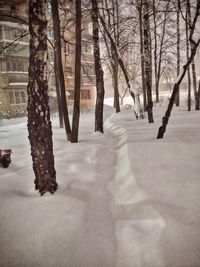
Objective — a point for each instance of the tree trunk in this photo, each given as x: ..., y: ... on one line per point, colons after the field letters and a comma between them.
x: 142, y: 54
x: 155, y: 53
x: 193, y: 67
x: 115, y: 69
x: 60, y: 111
x: 147, y: 61
x: 194, y: 78
x: 188, y: 70
x: 178, y: 50
x: 39, y: 124
x: 58, y: 55
x: 77, y: 85
x: 98, y: 70
x: 198, y: 97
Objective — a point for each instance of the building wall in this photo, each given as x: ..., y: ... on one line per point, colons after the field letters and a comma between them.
x: 14, y: 62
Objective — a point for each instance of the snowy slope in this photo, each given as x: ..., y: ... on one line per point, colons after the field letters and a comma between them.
x: 124, y: 199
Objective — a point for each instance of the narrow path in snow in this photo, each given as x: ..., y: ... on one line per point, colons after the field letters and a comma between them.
x: 97, y: 238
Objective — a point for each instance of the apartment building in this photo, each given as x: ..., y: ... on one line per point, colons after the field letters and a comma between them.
x: 87, y: 60
x: 14, y: 58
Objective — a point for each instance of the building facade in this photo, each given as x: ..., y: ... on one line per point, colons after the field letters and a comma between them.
x: 14, y: 60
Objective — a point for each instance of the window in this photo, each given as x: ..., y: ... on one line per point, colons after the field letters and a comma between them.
x: 69, y: 71
x: 71, y: 96
x: 17, y: 97
x: 17, y: 65
x: 51, y: 56
x: 87, y: 69
x: 86, y: 47
x: 87, y: 80
x: 50, y: 33
x: 90, y: 28
x: 48, y: 8
x: 8, y: 66
x: 85, y: 94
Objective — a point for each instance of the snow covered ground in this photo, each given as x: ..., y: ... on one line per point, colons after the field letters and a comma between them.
x: 125, y: 199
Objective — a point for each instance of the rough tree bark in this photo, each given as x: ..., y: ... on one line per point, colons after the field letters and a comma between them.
x: 58, y: 57
x: 39, y: 124
x: 77, y: 83
x: 98, y: 70
x: 147, y: 61
x: 194, y: 45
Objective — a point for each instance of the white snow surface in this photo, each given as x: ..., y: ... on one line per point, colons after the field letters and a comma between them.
x: 125, y: 199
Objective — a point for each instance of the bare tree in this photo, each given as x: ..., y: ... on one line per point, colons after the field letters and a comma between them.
x: 194, y: 43
x: 39, y: 124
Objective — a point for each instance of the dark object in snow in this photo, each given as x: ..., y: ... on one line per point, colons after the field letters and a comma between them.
x: 5, y: 158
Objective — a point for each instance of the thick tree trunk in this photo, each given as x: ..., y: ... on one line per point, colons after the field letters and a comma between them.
x: 147, y: 61
x: 58, y: 55
x: 39, y: 124
x: 98, y: 70
x: 77, y: 84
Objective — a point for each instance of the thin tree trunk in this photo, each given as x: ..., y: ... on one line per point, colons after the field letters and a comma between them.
x: 147, y: 61
x: 140, y: 8
x: 155, y: 53
x: 115, y: 69
x: 39, y: 124
x: 57, y: 44
x: 178, y: 51
x: 194, y: 79
x: 193, y: 67
x: 98, y: 70
x: 188, y: 70
x: 198, y: 97
x: 77, y: 85
x: 60, y: 112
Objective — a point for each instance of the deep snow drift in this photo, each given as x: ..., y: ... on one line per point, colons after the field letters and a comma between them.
x: 124, y: 199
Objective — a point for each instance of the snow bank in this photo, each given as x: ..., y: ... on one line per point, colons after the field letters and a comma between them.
x: 124, y: 199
